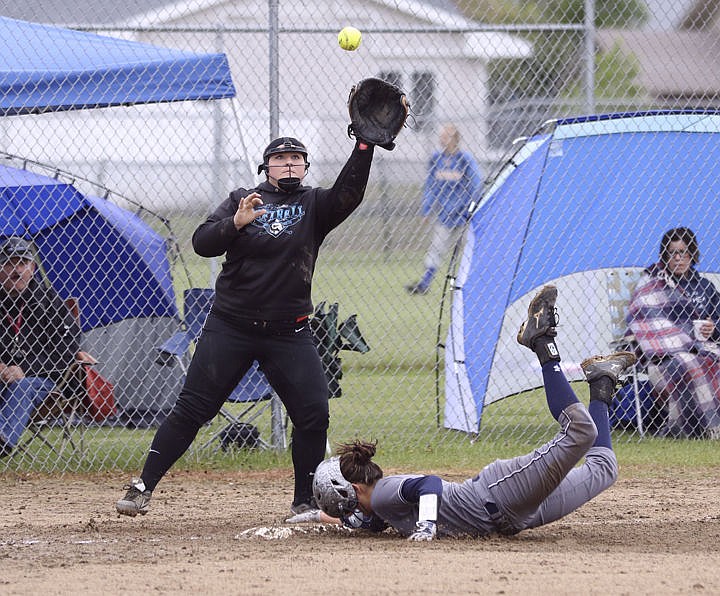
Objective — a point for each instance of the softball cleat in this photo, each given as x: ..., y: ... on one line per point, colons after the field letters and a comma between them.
x: 136, y: 499
x: 542, y: 318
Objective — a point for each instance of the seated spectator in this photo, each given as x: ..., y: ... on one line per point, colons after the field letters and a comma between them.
x: 674, y: 314
x: 38, y: 340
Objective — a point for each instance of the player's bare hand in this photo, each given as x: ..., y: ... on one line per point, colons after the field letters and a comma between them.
x: 11, y: 373
x: 249, y: 208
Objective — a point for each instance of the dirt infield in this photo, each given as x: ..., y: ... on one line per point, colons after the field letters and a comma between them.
x: 225, y: 534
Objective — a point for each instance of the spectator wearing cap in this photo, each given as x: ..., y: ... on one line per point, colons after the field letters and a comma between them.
x: 270, y: 237
x: 38, y: 339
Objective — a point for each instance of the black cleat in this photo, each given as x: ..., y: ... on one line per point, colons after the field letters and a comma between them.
x: 298, y: 508
x: 136, y: 499
x: 611, y: 366
x: 542, y: 318
x: 602, y: 374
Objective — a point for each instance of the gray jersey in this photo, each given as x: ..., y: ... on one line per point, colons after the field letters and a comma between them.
x: 460, y: 510
x: 522, y: 492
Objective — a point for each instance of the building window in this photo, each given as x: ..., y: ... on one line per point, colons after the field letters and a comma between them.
x: 423, y: 98
x: 391, y: 76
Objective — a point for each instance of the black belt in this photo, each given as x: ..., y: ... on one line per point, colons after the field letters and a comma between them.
x: 265, y: 325
x: 502, y: 524
x: 491, y: 508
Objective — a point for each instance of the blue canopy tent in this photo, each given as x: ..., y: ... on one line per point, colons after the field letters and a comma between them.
x: 118, y: 268
x: 90, y: 248
x: 47, y: 69
x: 582, y: 196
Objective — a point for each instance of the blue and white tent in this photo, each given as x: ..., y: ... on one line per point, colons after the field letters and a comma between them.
x: 583, y: 196
x: 117, y: 267
x: 89, y: 248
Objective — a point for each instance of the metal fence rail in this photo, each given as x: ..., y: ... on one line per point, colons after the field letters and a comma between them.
x: 156, y: 170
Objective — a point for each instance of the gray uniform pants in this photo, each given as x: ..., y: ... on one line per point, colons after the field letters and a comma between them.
x: 544, y: 485
x: 441, y: 241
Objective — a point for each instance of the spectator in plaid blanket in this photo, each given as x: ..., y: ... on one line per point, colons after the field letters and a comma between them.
x: 674, y: 315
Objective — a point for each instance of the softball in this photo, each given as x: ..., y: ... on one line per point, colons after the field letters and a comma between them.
x: 349, y: 38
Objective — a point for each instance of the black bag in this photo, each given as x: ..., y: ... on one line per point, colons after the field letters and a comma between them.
x: 240, y: 435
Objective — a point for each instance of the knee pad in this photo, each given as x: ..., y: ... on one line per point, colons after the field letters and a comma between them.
x: 312, y: 418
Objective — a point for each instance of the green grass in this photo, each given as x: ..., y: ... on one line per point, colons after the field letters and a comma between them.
x: 381, y: 407
x: 389, y: 393
x: 401, y: 329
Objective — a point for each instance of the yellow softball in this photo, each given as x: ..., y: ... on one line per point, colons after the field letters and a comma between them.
x: 349, y: 38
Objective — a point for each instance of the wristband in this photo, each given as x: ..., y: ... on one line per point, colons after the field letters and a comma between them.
x: 428, y: 506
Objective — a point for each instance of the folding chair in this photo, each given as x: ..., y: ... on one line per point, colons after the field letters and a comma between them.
x: 330, y: 338
x: 196, y: 306
x: 632, y: 401
x: 253, y: 389
x: 64, y: 409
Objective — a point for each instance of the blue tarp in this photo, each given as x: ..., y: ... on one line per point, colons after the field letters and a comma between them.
x: 118, y: 268
x: 45, y: 69
x: 89, y: 248
x: 586, y: 194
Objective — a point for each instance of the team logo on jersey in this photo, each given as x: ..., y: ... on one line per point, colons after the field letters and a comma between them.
x: 279, y: 219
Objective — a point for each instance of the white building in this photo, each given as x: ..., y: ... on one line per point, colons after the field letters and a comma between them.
x: 300, y: 86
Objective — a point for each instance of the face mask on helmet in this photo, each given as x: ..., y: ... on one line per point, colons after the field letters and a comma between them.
x: 288, y: 184
x: 333, y: 494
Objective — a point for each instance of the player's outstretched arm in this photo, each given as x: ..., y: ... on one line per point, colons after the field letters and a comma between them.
x: 313, y: 516
x: 426, y: 492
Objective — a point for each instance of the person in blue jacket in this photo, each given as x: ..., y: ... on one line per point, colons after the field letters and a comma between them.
x: 453, y: 182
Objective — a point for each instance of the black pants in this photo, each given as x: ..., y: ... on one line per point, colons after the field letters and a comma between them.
x: 224, y: 353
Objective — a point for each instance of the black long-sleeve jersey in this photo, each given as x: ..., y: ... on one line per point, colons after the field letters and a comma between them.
x: 269, y: 263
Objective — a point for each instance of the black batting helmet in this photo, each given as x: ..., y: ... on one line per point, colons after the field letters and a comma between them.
x: 283, y: 145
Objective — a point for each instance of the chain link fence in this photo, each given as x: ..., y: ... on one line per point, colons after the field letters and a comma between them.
x: 141, y: 177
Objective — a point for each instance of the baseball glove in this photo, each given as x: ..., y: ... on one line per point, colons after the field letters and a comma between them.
x: 378, y: 111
